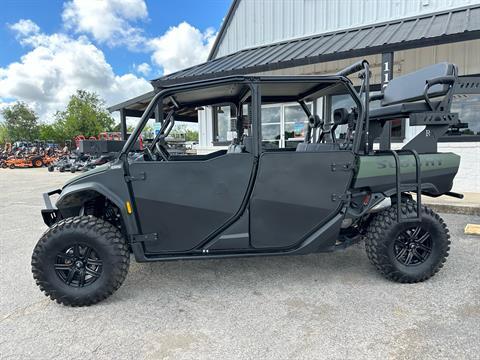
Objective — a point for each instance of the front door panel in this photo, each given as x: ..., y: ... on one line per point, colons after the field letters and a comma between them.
x: 293, y: 195
x: 185, y: 201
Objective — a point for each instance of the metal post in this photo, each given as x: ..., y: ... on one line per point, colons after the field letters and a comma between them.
x: 158, y: 113
x: 387, y: 75
x: 123, y: 124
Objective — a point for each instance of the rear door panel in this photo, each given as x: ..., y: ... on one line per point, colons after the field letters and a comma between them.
x: 293, y: 195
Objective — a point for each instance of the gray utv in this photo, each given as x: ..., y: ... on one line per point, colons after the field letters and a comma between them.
x: 333, y: 189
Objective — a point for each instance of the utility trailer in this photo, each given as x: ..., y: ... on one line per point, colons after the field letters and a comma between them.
x: 326, y: 194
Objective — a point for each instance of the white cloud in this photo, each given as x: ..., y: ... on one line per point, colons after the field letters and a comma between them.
x: 25, y: 27
x: 108, y: 21
x: 143, y: 69
x: 180, y: 47
x: 56, y: 67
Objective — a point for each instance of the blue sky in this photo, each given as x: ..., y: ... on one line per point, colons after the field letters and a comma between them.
x: 50, y: 48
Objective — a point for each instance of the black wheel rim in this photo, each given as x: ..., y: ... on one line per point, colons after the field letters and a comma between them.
x: 78, y: 265
x: 413, y: 246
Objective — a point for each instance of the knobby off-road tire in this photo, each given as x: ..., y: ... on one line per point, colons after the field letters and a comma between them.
x: 80, y: 261
x: 407, y: 252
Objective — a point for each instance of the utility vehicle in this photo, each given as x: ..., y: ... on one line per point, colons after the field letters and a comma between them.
x: 325, y: 193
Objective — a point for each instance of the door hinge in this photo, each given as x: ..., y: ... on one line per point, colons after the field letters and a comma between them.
x: 141, y: 176
x: 341, y: 167
x: 144, y: 237
x: 342, y: 197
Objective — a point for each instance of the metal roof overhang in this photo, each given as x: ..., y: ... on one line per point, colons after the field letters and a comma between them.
x: 449, y: 26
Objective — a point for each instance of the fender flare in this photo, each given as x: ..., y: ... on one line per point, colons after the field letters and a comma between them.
x: 76, y: 194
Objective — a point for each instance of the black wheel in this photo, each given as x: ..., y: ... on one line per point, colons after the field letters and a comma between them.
x: 80, y: 261
x: 72, y: 170
x: 407, y: 252
x: 12, y: 166
x: 4, y: 166
x: 61, y: 169
x: 51, y: 168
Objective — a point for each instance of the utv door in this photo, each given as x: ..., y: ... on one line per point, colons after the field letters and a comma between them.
x: 183, y: 202
x: 295, y: 193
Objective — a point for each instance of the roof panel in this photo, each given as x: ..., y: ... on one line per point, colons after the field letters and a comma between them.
x: 424, y: 30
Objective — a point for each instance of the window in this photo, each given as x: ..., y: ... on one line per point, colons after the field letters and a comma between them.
x: 283, y: 125
x: 295, y: 124
x: 222, y: 125
x: 468, y: 108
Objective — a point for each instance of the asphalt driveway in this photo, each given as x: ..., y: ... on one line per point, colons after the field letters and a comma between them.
x: 322, y: 306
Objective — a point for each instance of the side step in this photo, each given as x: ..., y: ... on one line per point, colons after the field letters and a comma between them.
x: 415, y: 187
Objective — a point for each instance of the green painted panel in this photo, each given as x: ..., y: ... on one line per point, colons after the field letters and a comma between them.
x: 384, y: 165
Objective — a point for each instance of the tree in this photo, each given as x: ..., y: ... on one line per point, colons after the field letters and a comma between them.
x: 20, y: 122
x: 53, y: 132
x: 85, y: 115
x: 186, y: 131
x: 3, y: 134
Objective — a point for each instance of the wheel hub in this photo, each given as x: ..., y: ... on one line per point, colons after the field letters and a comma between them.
x: 78, y: 265
x: 413, y: 246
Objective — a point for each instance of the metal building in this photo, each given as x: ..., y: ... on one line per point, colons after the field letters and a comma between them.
x: 323, y: 36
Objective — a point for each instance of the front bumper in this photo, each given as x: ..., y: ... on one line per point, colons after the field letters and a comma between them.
x: 50, y: 213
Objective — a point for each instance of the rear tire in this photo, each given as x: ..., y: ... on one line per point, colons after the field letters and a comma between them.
x: 51, y: 169
x: 37, y: 163
x: 11, y: 166
x: 407, y: 252
x: 80, y: 261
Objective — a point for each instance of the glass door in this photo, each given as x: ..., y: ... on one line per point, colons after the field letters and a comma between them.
x: 271, y: 127
x: 294, y: 124
x: 283, y: 126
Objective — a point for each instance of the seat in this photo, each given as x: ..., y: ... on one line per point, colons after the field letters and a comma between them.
x: 235, y: 149
x: 411, y: 87
x: 400, y: 110
x: 340, y: 117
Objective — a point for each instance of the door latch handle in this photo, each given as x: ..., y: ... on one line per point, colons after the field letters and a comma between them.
x: 141, y: 176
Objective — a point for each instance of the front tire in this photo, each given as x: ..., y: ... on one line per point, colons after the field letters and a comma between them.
x: 80, y: 261
x: 407, y: 252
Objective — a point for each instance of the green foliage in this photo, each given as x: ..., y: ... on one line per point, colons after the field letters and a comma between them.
x: 184, y: 130
x: 20, y: 122
x: 85, y: 114
x: 3, y: 134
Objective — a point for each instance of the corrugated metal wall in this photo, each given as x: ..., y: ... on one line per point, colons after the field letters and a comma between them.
x: 259, y: 22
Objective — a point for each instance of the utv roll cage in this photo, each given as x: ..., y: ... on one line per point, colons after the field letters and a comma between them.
x: 409, y: 96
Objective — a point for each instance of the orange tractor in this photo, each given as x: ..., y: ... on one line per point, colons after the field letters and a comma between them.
x: 28, y: 161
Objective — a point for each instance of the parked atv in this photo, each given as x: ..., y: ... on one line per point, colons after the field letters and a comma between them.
x: 326, y: 194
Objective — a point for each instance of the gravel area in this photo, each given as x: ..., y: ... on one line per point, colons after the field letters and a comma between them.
x: 321, y: 306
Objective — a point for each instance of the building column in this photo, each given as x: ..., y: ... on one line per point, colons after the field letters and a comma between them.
x: 387, y: 75
x: 123, y: 124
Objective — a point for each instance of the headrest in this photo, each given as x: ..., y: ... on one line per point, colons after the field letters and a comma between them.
x: 340, y: 116
x: 314, y: 121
